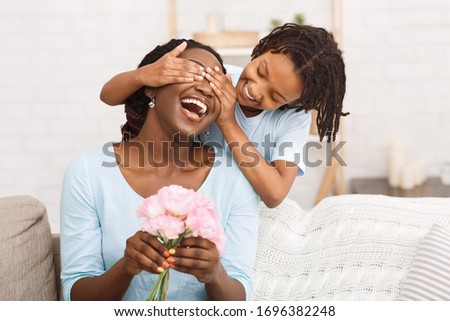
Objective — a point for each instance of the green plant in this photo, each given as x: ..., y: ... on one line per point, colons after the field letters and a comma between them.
x: 275, y: 22
x: 299, y: 18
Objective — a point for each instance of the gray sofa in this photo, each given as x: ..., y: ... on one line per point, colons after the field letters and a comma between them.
x: 349, y: 247
x: 30, y: 257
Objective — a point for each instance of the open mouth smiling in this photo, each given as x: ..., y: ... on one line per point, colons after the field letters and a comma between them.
x: 247, y: 93
x: 194, y: 108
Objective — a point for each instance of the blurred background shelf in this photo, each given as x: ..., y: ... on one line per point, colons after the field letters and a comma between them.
x: 432, y: 187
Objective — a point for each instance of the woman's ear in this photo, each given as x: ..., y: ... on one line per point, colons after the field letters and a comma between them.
x: 150, y: 92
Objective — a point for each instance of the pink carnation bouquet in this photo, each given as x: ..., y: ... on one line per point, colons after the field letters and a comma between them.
x: 173, y: 214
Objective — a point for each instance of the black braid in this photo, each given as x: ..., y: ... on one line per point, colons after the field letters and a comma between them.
x: 319, y: 64
x: 136, y: 106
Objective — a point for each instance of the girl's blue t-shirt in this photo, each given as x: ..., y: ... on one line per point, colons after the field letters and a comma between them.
x: 277, y: 135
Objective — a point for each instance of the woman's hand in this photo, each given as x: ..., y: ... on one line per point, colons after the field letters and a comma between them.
x: 225, y: 92
x: 170, y: 69
x: 199, y: 257
x: 144, y: 252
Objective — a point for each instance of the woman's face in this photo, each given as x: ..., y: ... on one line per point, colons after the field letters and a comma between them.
x: 188, y: 108
x: 269, y: 82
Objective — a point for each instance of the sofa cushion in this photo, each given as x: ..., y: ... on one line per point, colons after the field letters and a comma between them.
x: 429, y: 276
x: 348, y: 247
x: 26, y: 270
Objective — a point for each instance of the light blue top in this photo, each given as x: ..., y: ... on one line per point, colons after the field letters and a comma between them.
x: 277, y: 135
x: 98, y: 215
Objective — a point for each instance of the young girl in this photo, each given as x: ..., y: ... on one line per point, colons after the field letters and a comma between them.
x: 294, y: 69
x: 104, y: 254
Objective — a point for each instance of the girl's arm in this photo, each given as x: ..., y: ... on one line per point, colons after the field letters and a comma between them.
x: 272, y: 181
x: 166, y: 70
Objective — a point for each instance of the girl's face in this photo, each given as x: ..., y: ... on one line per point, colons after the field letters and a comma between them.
x: 187, y: 108
x: 269, y: 82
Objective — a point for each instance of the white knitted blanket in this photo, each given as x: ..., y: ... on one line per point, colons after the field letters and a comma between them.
x: 349, y: 247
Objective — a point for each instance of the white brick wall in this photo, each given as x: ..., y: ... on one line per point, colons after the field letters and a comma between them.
x: 55, y: 56
x: 397, y: 54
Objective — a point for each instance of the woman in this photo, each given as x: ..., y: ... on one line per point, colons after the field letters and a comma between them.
x: 104, y: 255
x: 294, y: 69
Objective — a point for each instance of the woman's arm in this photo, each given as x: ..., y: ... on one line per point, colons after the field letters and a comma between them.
x: 83, y: 273
x: 272, y: 181
x: 166, y: 70
x: 199, y: 257
x: 143, y: 252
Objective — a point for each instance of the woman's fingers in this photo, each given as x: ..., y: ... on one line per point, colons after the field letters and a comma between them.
x: 198, y: 257
x: 195, y: 249
x: 144, y: 261
x: 197, y: 242
x: 146, y: 252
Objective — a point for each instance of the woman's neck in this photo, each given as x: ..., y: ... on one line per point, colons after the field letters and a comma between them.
x: 159, y: 148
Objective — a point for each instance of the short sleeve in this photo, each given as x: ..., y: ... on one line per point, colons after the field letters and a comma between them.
x: 241, y: 231
x: 292, y: 134
x: 80, y: 228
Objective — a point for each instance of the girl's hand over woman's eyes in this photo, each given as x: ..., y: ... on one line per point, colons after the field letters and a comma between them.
x: 199, y: 257
x: 170, y: 69
x: 144, y: 252
x: 225, y: 92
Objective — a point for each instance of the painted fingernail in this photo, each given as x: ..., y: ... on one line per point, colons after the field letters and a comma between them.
x: 216, y: 68
x: 208, y: 69
x: 201, y: 68
x: 199, y: 78
x: 190, y: 79
x: 170, y: 260
x: 172, y: 251
x: 212, y: 85
x: 166, y: 254
x: 203, y: 74
x: 165, y: 265
x: 160, y: 269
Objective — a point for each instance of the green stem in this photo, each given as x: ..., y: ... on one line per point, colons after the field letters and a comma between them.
x: 157, y: 292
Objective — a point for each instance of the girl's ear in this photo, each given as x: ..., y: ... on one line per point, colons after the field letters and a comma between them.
x: 150, y: 92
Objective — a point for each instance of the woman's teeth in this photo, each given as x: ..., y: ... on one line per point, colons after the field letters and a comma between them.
x: 247, y: 93
x: 196, y: 102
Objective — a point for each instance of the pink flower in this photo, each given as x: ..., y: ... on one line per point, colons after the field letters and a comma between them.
x: 176, y: 199
x: 167, y: 226
x: 151, y: 207
x: 202, y: 221
x: 174, y: 213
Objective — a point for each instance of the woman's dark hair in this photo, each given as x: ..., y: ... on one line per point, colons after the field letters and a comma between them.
x: 319, y: 64
x: 136, y: 106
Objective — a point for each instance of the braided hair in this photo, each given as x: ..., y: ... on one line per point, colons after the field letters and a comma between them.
x: 319, y: 64
x: 136, y: 106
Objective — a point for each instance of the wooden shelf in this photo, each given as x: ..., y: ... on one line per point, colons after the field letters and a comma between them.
x: 432, y: 187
